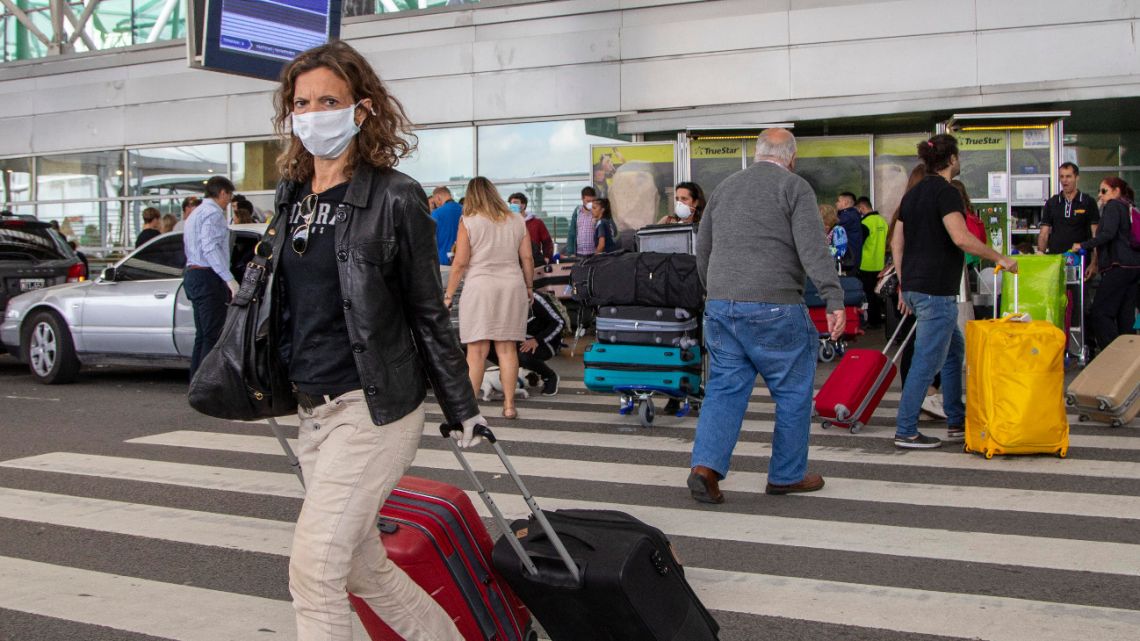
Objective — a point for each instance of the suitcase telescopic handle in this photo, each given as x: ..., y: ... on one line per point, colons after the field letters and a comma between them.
x: 895, y: 335
x: 552, y: 536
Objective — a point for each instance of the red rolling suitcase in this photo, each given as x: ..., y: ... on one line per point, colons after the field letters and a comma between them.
x: 857, y: 385
x: 432, y: 531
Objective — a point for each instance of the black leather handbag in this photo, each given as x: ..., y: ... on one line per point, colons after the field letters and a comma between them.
x: 243, y: 377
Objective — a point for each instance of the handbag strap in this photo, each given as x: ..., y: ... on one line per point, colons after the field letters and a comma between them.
x: 257, y: 270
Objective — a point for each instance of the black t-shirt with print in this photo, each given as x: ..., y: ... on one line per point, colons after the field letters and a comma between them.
x: 932, y: 263
x: 321, y: 359
x: 1069, y: 222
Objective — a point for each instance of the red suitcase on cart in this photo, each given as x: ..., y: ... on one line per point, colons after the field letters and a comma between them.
x: 857, y: 385
x: 432, y: 531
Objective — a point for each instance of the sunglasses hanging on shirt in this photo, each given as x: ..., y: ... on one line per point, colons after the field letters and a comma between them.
x: 300, y: 240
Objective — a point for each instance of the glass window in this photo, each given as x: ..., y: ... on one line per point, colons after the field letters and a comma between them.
x: 713, y: 160
x: 534, y: 149
x: 147, y: 13
x: 835, y: 164
x: 164, y: 171
x: 91, y: 224
x: 255, y: 165
x: 895, y: 157
x: 442, y: 156
x: 552, y: 202
x: 111, y: 24
x: 163, y: 258
x: 85, y: 176
x: 1089, y: 180
x: 15, y: 180
x: 1030, y: 152
x: 981, y: 152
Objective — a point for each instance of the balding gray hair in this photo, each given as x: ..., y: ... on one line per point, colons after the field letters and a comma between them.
x: 776, y: 144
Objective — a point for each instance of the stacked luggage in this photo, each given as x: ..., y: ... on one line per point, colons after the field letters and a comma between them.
x: 648, y: 308
x: 854, y: 306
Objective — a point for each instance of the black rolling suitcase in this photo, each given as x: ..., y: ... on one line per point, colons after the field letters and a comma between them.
x: 631, y: 588
x: 665, y: 326
x: 592, y: 575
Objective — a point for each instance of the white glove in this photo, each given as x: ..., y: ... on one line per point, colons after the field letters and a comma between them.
x: 233, y: 285
x: 468, y: 439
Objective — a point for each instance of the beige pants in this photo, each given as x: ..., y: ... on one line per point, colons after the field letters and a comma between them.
x: 350, y: 467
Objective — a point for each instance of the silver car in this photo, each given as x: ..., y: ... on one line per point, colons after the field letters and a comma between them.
x: 135, y: 313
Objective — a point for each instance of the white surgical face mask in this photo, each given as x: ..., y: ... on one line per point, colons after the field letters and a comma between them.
x: 590, y: 205
x: 681, y: 210
x: 326, y: 134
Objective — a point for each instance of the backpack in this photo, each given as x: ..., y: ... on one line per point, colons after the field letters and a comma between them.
x: 1134, y: 232
x: 558, y: 307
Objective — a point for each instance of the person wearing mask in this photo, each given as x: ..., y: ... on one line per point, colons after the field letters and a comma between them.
x: 152, y: 226
x: 688, y: 205
x: 580, y: 237
x: 357, y: 314
x: 761, y: 235
x: 605, y: 230
x: 929, y: 245
x: 1113, y: 309
x: 852, y: 223
x: 493, y: 260
x: 1070, y: 217
x: 189, y: 204
x: 446, y: 213
x: 874, y: 258
x: 208, y: 281
x: 541, y: 244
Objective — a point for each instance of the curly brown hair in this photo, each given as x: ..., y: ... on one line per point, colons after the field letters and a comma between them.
x: 384, y: 137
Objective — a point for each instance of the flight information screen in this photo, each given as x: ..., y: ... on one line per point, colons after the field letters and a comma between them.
x: 257, y: 37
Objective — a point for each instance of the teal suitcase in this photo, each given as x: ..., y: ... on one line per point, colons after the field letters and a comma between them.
x: 670, y: 370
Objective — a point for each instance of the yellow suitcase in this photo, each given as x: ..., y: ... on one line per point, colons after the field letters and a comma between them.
x: 1015, y: 388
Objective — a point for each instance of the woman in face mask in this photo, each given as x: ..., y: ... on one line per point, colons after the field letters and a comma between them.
x: 688, y: 205
x: 358, y: 317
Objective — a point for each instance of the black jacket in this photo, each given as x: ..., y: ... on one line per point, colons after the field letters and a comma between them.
x: 1112, y: 237
x: 545, y: 324
x: 391, y: 294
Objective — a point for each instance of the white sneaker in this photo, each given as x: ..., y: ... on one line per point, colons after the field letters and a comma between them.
x: 932, y: 405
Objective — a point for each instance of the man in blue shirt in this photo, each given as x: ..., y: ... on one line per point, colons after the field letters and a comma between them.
x: 445, y: 212
x: 208, y: 281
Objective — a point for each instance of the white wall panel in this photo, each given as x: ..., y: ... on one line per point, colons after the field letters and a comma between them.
x: 1032, y: 55
x: 814, y: 21
x: 248, y: 116
x: 703, y: 27
x: 16, y: 135
x: 1014, y: 14
x: 419, y: 55
x: 883, y: 66
x: 436, y: 100
x: 17, y: 98
x: 705, y: 80
x: 89, y: 129
x: 540, y: 43
x: 537, y: 93
x: 176, y: 121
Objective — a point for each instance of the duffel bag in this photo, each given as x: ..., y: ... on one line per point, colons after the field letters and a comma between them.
x: 650, y: 279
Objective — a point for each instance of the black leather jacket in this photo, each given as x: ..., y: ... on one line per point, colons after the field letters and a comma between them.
x: 391, y: 293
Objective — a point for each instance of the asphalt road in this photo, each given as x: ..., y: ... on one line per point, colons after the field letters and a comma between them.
x: 124, y: 515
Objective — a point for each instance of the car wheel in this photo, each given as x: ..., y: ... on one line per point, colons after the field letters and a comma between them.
x: 49, y: 351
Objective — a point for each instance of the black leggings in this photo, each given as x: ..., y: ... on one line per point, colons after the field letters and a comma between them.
x: 1113, y: 309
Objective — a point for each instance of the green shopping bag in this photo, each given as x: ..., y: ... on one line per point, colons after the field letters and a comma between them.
x: 1042, y: 291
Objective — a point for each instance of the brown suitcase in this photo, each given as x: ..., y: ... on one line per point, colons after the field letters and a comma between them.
x: 1108, y: 389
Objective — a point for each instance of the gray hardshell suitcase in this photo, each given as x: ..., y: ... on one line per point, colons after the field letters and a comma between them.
x: 636, y: 325
x: 1108, y: 390
x: 670, y: 239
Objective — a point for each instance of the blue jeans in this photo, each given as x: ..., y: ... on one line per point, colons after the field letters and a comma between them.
x: 938, y: 346
x: 778, y: 342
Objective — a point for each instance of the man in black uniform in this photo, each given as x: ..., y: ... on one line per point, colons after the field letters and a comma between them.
x: 1070, y: 217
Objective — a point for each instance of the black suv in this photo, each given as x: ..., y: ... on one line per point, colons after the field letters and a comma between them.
x: 34, y: 255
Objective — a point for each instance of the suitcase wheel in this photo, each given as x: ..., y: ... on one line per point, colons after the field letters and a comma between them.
x: 989, y: 454
x: 856, y: 428
x: 1084, y: 418
x: 826, y: 352
x: 1117, y: 423
x: 1062, y: 453
x: 646, y: 413
x: 1070, y: 400
x: 825, y: 425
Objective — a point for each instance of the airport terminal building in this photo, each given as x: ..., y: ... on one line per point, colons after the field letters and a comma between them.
x: 545, y: 97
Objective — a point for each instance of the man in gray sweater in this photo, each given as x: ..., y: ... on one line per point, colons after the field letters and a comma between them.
x: 760, y: 233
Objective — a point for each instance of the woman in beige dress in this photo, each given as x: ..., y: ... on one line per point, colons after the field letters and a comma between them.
x: 493, y: 259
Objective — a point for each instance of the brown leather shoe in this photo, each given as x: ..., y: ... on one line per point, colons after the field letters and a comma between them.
x: 704, y: 485
x: 811, y: 483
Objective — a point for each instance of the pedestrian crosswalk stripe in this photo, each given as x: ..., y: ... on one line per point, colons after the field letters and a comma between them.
x: 1040, y: 552
x: 912, y: 611
x: 163, y: 610
x: 144, y: 606
x: 152, y: 521
x: 949, y: 457
x: 986, y: 498
x: 759, y: 391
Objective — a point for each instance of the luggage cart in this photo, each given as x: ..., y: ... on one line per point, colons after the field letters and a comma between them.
x: 1075, y: 281
x: 639, y: 398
